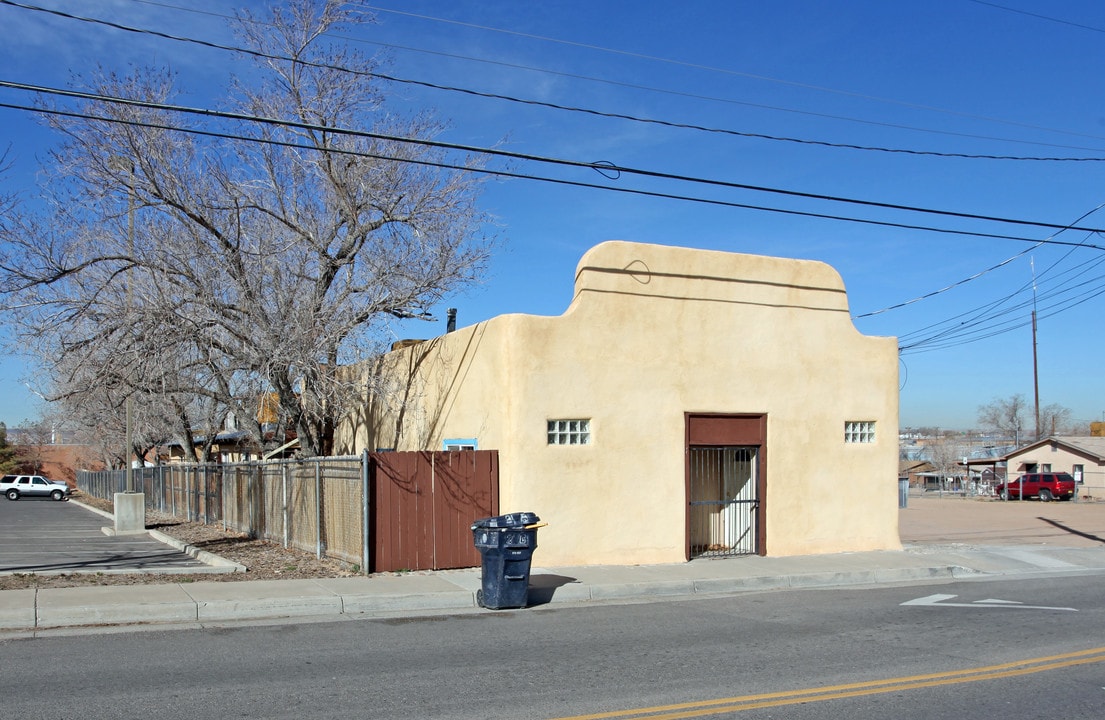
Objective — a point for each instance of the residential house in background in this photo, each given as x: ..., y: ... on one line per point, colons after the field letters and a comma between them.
x: 1081, y: 456
x: 232, y: 444
x: 686, y: 403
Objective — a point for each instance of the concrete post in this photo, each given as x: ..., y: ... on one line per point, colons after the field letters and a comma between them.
x: 130, y: 514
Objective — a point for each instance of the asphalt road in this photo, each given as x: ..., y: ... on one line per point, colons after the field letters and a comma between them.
x: 962, y: 650
x: 41, y: 535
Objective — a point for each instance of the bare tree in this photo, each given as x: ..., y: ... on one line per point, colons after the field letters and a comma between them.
x: 947, y: 455
x: 209, y: 272
x: 1004, y: 415
x: 8, y: 460
x: 1055, y: 420
x: 31, y: 450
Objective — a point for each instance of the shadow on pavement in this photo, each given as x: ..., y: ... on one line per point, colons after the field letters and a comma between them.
x: 1072, y: 531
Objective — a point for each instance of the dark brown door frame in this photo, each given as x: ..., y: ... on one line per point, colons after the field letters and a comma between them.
x: 703, y: 429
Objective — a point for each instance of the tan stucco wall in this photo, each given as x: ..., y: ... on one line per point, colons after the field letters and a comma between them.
x: 654, y: 332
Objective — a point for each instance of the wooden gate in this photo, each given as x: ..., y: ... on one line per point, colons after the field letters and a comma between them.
x: 423, y: 505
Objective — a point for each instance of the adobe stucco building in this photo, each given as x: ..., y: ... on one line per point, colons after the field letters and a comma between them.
x: 688, y: 402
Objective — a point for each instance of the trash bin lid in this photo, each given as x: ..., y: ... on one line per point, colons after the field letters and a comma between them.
x: 513, y: 520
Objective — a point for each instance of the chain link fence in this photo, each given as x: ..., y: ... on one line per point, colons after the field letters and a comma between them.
x: 320, y: 505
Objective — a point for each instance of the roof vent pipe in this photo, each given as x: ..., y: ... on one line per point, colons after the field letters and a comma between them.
x: 451, y: 320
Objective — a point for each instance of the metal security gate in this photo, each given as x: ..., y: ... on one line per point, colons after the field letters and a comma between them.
x: 723, y: 501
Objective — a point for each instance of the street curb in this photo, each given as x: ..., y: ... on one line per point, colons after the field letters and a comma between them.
x: 213, y: 603
x: 218, y: 564
x: 112, y: 605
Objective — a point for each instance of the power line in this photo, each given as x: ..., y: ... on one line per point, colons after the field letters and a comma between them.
x: 570, y: 108
x: 557, y: 181
x: 675, y: 93
x: 716, y: 99
x: 947, y: 288
x: 599, y: 166
x: 738, y: 73
x: 976, y: 275
x: 997, y: 317
x: 993, y: 310
x: 602, y: 167
x: 975, y: 328
x: 1009, y: 326
x: 953, y: 335
x: 1039, y: 16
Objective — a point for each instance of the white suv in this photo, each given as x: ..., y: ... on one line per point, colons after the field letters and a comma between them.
x: 16, y: 486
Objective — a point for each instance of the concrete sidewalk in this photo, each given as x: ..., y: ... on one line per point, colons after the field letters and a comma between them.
x: 199, y: 604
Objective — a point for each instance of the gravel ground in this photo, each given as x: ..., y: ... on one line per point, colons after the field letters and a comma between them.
x: 264, y: 560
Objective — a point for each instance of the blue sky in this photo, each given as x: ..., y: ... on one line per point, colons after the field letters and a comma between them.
x: 940, y: 83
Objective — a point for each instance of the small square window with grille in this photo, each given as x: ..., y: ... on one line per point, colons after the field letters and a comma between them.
x: 859, y: 431
x: 569, y: 432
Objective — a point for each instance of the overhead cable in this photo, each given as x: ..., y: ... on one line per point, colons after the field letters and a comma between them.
x: 601, y: 166
x: 979, y: 274
x: 557, y: 181
x: 582, y: 110
x: 1040, y: 17
x: 982, y: 326
x: 738, y: 73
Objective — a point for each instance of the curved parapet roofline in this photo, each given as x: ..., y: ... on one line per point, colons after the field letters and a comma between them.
x: 677, y: 273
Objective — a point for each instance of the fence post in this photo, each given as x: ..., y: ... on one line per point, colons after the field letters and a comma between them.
x: 252, y: 487
x: 318, y: 509
x: 222, y: 498
x: 284, y: 499
x: 364, y: 512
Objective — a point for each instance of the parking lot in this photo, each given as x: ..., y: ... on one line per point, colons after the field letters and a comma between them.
x: 44, y: 536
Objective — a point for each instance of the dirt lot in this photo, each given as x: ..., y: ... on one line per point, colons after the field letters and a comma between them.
x: 953, y: 519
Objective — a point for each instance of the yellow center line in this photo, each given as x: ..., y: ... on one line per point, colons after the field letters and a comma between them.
x: 858, y: 689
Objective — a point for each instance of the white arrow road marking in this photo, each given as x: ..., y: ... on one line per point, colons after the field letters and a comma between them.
x: 939, y: 601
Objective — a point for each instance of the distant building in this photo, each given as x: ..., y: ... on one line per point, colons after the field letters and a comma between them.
x: 1082, y: 456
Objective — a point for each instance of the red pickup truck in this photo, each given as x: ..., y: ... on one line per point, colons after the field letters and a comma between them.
x: 1046, y: 486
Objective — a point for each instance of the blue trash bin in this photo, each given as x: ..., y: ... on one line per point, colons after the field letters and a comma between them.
x: 506, y: 544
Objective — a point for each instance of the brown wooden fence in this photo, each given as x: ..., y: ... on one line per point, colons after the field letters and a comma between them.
x: 417, y: 515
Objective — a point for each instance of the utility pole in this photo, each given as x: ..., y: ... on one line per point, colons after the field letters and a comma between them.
x: 1035, y: 364
x: 130, y: 303
x: 129, y: 506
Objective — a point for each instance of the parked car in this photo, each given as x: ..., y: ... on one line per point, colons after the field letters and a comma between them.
x: 1046, y: 486
x: 16, y: 486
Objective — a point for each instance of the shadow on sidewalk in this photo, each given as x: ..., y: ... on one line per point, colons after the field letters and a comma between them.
x: 543, y: 587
